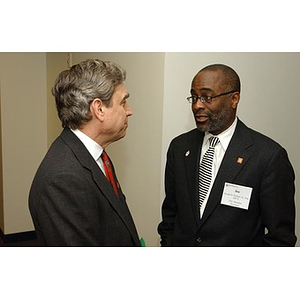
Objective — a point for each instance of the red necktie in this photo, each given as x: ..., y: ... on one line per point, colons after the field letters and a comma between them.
x: 108, y: 170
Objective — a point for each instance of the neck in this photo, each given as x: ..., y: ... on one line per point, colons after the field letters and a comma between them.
x: 94, y: 135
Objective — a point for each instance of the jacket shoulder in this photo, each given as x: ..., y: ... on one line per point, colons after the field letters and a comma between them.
x: 187, y: 136
x: 259, y: 138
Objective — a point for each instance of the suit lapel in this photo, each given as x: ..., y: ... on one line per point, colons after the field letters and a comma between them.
x: 192, y: 156
x: 118, y: 202
x: 87, y: 161
x: 235, y: 158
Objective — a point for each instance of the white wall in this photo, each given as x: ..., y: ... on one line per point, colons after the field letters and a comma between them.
x: 56, y: 63
x: 24, y: 132
x: 269, y: 97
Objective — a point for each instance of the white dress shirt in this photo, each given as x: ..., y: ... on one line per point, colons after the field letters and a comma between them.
x: 220, y: 150
x: 94, y: 149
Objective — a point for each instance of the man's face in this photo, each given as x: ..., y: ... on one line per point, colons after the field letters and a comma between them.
x: 116, y: 121
x: 219, y: 114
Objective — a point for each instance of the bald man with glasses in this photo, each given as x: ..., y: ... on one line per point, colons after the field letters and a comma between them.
x: 225, y: 184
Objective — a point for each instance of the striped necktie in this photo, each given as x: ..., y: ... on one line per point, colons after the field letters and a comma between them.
x: 205, y: 169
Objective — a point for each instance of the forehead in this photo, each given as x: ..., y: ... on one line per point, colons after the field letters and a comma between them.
x: 120, y: 92
x: 208, y: 80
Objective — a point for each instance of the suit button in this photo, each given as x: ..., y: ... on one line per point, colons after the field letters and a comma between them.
x: 198, y: 240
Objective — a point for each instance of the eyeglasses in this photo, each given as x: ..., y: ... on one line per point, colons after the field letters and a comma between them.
x: 205, y: 99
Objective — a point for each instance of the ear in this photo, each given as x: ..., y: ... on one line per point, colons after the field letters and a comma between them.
x: 97, y: 109
x: 235, y: 99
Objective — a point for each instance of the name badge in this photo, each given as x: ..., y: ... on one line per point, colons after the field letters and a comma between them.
x: 236, y: 195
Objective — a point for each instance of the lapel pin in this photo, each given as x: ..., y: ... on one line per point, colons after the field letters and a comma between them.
x: 187, y: 153
x: 240, y: 160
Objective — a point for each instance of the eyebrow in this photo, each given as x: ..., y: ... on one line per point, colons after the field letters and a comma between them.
x: 125, y: 97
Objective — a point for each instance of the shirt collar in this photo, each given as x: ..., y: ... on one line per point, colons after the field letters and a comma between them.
x: 94, y: 149
x: 224, y: 136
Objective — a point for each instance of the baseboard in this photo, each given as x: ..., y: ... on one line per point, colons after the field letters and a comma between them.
x: 18, y: 237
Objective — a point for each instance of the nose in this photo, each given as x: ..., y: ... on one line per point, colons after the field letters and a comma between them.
x: 128, y: 110
x: 198, y: 105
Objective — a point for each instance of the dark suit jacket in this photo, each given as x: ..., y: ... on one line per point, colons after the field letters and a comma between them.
x: 73, y: 204
x: 265, y: 168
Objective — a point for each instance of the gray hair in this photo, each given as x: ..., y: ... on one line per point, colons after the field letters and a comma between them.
x: 76, y: 88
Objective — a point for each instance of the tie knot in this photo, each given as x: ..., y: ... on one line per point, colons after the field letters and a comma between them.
x: 104, y: 154
x: 105, y: 158
x: 213, y: 141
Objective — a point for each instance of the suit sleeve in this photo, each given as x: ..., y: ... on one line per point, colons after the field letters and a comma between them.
x: 277, y: 201
x: 67, y: 212
x: 169, y: 207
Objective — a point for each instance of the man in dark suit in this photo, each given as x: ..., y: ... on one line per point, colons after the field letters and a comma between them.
x: 245, y: 195
x: 75, y: 198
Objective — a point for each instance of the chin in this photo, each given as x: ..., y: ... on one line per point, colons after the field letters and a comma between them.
x: 121, y: 136
x: 202, y: 128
